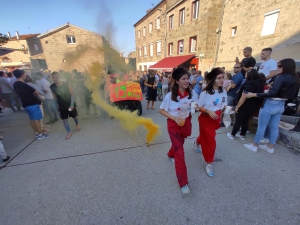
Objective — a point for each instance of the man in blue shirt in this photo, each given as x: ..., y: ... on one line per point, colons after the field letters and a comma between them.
x: 195, y: 81
x: 237, y: 80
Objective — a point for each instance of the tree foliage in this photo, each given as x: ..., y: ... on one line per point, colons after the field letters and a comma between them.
x: 3, y: 39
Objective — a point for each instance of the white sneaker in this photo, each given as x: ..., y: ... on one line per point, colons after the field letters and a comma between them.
x: 265, y: 141
x: 241, y: 137
x: 251, y: 147
x: 230, y: 136
x: 209, y: 170
x: 247, y: 132
x: 266, y: 148
x: 185, y: 189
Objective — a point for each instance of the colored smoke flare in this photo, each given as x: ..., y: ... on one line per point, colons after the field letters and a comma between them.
x: 129, y: 120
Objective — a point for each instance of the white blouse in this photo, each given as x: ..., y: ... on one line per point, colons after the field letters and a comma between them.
x: 214, y: 102
x: 173, y: 107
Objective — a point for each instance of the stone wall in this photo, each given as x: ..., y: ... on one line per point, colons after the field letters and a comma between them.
x: 17, y: 56
x: 204, y: 28
x: 248, y: 17
x: 56, y: 47
x: 157, y: 34
x: 34, y: 46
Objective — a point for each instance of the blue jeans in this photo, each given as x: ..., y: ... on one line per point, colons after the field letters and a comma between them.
x: 269, y: 116
x: 50, y: 109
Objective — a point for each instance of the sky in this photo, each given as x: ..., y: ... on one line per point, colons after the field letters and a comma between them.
x: 114, y: 18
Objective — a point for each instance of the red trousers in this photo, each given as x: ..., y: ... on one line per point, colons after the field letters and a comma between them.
x: 207, y: 136
x: 177, y: 136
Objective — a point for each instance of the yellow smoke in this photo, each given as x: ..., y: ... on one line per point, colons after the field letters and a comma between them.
x: 129, y: 120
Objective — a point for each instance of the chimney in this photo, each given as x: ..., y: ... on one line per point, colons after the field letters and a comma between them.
x: 17, y: 35
x: 8, y: 34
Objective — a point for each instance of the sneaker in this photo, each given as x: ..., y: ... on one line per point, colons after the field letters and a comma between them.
x: 209, y: 170
x: 36, y: 135
x: 172, y: 160
x: 6, y: 159
x: 266, y: 148
x: 251, y: 147
x: 230, y: 136
x: 222, y: 124
x: 240, y: 136
x: 265, y: 141
x: 185, y: 189
x: 42, y: 136
x: 197, y: 147
x: 247, y: 132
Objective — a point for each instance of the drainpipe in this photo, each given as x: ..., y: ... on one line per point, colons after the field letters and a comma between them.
x: 219, y: 32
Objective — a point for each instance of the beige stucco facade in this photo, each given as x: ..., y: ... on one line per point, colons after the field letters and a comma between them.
x: 57, y: 48
x: 154, y: 37
x: 249, y: 17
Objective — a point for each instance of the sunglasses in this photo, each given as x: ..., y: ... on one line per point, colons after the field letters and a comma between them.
x: 236, y: 67
x: 279, y: 66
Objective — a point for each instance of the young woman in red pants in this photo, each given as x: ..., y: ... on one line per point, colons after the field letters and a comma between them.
x: 211, y: 103
x: 179, y: 126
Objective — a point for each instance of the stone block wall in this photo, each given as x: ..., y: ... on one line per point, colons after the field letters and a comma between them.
x: 248, y: 17
x: 55, y: 47
x: 17, y: 56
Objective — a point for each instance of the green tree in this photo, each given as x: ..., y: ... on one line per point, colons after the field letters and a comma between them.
x: 3, y: 39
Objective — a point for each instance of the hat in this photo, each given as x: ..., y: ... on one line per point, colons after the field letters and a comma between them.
x: 214, y: 73
x: 179, y: 72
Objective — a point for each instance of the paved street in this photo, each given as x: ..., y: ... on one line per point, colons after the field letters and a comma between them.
x: 103, y: 175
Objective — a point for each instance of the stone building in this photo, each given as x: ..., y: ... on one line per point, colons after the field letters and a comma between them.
x: 259, y: 24
x: 70, y: 47
x: 150, y: 37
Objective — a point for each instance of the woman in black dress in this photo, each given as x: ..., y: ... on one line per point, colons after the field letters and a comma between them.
x: 151, y: 89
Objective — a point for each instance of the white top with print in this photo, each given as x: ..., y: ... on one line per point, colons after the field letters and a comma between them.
x: 214, y: 102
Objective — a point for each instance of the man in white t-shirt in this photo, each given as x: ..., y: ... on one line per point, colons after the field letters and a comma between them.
x: 269, y: 66
x: 157, y: 77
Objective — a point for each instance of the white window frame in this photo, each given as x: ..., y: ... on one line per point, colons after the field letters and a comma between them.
x: 195, y: 40
x: 151, y: 49
x: 195, y: 9
x: 171, y: 22
x: 270, y: 22
x: 158, y: 22
x: 145, y: 51
x: 158, y: 47
x: 171, y: 48
x: 144, y: 31
x: 140, y: 52
x: 180, y: 47
x: 233, y: 31
x: 150, y: 27
x: 139, y: 34
x: 72, y: 38
x: 181, y: 16
x: 36, y: 47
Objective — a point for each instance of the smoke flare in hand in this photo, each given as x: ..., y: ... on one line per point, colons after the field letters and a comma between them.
x: 129, y: 120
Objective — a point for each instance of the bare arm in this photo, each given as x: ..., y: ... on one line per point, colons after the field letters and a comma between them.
x: 272, y: 74
x: 166, y: 114
x: 241, y: 102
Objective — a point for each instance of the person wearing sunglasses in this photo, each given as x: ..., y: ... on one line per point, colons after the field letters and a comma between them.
x: 285, y: 87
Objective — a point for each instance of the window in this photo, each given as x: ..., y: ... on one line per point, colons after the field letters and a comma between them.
x: 195, y: 9
x: 233, y: 31
x: 150, y: 27
x: 71, y: 40
x: 140, y: 68
x: 151, y: 49
x: 270, y: 23
x: 158, y: 47
x: 145, y: 51
x: 158, y: 23
x: 171, y: 22
x: 140, y: 52
x: 181, y: 17
x: 145, y: 68
x: 180, y: 47
x: 139, y: 34
x: 170, y: 48
x: 36, y: 47
x: 193, y: 44
x: 144, y: 31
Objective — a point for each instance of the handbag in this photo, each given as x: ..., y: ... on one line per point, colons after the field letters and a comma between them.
x: 291, y: 107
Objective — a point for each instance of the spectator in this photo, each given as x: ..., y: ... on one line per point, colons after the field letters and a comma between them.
x: 44, y: 85
x: 7, y: 92
x: 165, y: 84
x: 196, y: 82
x: 248, y: 62
x: 30, y: 103
x: 3, y: 153
x: 151, y: 89
x: 269, y: 66
x: 237, y: 80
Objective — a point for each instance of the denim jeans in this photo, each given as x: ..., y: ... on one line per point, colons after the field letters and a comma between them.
x: 50, y: 109
x: 269, y: 116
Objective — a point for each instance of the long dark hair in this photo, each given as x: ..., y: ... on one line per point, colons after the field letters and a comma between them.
x: 288, y: 66
x: 211, y: 78
x: 252, y: 75
x: 176, y: 75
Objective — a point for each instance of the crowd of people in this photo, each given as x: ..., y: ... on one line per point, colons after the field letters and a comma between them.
x: 263, y: 93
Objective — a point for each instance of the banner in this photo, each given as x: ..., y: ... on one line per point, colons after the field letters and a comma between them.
x: 125, y: 90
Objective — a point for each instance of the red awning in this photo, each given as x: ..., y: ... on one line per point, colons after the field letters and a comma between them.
x: 169, y: 63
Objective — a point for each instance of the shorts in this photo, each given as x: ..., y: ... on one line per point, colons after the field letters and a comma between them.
x: 34, y: 112
x: 65, y: 113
